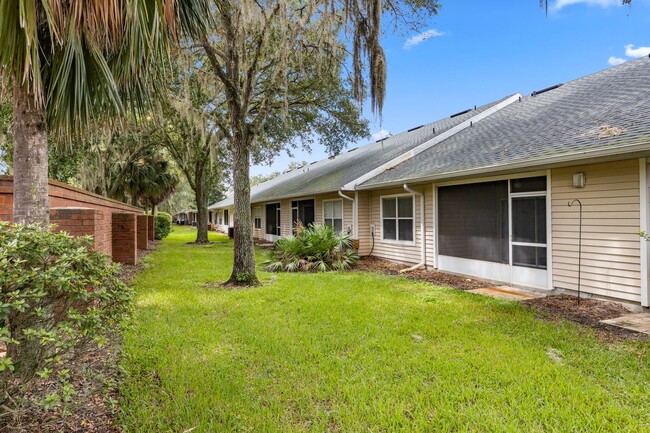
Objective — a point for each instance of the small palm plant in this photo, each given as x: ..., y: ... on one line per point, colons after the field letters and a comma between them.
x: 317, y: 248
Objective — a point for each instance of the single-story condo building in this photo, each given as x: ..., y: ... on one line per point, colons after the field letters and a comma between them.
x: 528, y: 190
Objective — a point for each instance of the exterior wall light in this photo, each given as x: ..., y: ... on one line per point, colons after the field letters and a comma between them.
x: 579, y: 180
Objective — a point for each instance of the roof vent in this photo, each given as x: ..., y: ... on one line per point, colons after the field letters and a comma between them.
x: 313, y: 163
x: 353, y: 149
x: 547, y: 89
x: 460, y: 114
x: 413, y: 129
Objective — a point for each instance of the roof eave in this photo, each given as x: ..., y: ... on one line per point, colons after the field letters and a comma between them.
x: 530, y: 163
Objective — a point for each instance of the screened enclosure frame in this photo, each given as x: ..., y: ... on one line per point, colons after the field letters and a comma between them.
x: 535, y: 276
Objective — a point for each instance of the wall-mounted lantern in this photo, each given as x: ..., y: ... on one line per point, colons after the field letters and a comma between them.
x: 579, y: 180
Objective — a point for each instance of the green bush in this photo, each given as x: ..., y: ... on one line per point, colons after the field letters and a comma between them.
x: 57, y: 298
x: 317, y: 248
x: 162, y: 225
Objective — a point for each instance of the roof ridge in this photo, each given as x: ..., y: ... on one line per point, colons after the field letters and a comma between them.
x: 504, y: 102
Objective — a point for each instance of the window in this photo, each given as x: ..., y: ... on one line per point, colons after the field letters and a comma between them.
x: 397, y: 218
x: 273, y: 219
x: 257, y: 217
x: 226, y: 217
x: 333, y: 214
x: 219, y: 218
x: 302, y: 212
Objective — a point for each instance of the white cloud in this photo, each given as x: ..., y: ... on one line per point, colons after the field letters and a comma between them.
x: 560, y: 4
x: 615, y: 61
x: 630, y: 51
x: 418, y: 39
x: 380, y: 134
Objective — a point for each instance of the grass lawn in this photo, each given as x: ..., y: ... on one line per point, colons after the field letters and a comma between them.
x: 357, y: 352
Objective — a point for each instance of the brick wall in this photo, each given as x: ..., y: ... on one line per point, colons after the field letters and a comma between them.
x: 63, y: 195
x: 66, y: 196
x: 124, y: 238
x: 143, y: 232
x: 83, y: 222
x: 150, y: 227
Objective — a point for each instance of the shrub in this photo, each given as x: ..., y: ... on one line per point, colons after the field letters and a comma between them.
x: 315, y: 248
x: 163, y: 225
x: 57, y: 297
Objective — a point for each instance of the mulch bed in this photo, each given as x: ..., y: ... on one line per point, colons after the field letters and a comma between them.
x: 373, y: 264
x: 588, y: 312
x: 553, y: 307
x: 94, y: 377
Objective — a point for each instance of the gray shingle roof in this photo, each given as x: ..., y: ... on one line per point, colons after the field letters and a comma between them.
x: 606, y: 111
x: 329, y: 175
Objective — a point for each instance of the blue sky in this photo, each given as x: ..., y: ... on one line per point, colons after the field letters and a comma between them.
x: 479, y: 51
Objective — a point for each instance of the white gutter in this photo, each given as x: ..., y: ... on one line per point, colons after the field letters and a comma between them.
x: 354, y: 213
x: 350, y: 186
x: 423, y: 234
x: 572, y: 157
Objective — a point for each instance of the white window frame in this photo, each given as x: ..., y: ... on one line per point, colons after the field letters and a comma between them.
x: 531, y: 194
x: 397, y: 218
x: 342, y: 212
x: 257, y: 209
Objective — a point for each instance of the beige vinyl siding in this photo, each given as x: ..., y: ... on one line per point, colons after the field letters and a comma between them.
x: 286, y: 226
x: 363, y: 208
x: 401, y: 252
x: 261, y: 233
x: 611, y: 264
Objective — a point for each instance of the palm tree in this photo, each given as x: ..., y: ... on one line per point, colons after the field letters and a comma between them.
x: 149, y: 180
x: 74, y: 63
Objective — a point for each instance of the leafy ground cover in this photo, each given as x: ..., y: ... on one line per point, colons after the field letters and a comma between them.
x: 356, y: 352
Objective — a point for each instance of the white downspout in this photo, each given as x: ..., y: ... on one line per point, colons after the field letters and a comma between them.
x: 423, y: 234
x: 354, y: 213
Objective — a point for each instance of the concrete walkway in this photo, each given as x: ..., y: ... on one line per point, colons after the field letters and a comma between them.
x: 639, y: 322
x: 506, y: 292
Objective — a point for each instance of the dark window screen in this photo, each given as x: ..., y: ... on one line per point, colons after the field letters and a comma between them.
x: 273, y: 219
x: 302, y: 212
x: 528, y: 184
x: 473, y: 221
x: 529, y: 219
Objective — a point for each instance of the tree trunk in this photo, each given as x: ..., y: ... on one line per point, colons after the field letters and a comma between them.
x: 201, y: 208
x: 30, y: 159
x: 243, y: 269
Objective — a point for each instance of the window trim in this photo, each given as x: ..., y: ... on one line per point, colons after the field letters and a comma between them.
x: 330, y: 200
x: 513, y: 243
x: 397, y: 218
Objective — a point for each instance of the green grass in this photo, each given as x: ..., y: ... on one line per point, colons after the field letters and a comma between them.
x: 356, y: 352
